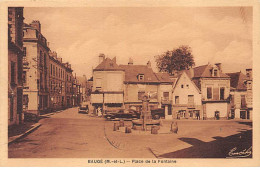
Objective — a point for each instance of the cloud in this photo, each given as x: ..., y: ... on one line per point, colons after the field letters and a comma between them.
x: 80, y: 34
x: 203, y: 51
x: 235, y: 57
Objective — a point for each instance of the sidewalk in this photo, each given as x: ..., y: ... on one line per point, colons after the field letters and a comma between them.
x: 16, y: 132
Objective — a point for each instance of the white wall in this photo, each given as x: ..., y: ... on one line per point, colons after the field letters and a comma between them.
x: 110, y: 80
x: 212, y: 107
x: 215, y: 83
x: 185, y: 91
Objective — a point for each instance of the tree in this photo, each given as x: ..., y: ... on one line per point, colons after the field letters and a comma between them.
x: 176, y: 60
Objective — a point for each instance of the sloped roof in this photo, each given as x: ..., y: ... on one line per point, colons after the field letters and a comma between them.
x: 187, y: 72
x: 164, y: 78
x: 132, y: 72
x: 204, y: 71
x: 237, y: 80
x: 198, y: 71
x: 108, y: 65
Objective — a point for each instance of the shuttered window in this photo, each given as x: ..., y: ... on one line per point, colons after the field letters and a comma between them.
x: 222, y: 93
x: 216, y: 93
x: 243, y: 101
x: 209, y: 92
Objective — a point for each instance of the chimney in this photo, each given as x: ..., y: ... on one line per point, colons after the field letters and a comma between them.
x: 219, y: 66
x: 191, y: 70
x: 131, y: 62
x: 249, y: 73
x: 149, y: 65
x: 36, y: 24
x: 101, y: 58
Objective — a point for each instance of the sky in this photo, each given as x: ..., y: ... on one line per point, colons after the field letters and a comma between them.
x: 79, y: 35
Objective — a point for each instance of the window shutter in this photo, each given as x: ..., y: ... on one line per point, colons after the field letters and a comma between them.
x: 216, y: 94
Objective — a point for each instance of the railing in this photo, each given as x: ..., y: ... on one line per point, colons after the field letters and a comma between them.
x: 189, y: 105
x: 166, y: 100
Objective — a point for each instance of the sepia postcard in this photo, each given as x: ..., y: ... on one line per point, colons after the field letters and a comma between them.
x: 129, y: 83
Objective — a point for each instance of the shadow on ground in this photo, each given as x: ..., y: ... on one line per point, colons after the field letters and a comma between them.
x: 246, y: 123
x: 219, y: 148
x: 15, y: 130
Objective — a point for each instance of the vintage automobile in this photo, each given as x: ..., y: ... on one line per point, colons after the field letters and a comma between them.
x: 83, y: 108
x: 123, y: 114
x: 158, y: 113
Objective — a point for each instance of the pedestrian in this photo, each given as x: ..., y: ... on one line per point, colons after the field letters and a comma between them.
x: 99, y: 112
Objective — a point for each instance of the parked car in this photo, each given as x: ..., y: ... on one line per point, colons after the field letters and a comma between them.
x: 158, y: 113
x: 83, y: 108
x: 123, y: 114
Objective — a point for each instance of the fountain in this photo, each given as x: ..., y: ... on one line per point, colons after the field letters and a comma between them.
x: 146, y: 117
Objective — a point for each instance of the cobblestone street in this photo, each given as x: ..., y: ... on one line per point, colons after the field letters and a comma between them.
x: 69, y: 134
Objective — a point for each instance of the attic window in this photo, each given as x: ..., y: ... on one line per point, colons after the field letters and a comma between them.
x: 141, y: 77
x: 215, y: 72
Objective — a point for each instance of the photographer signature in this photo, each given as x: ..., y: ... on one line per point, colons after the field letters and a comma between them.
x: 240, y: 154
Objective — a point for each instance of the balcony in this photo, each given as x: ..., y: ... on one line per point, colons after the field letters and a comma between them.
x: 166, y: 100
x: 188, y: 105
x: 191, y: 105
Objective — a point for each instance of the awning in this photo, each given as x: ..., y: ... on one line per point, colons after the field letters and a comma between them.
x: 96, y: 98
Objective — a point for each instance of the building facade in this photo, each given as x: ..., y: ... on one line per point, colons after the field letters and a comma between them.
x: 15, y: 65
x: 123, y: 86
x: 107, y: 91
x: 241, y: 95
x: 36, y: 69
x: 69, y: 85
x: 186, y: 97
x: 48, y: 82
x: 215, y: 89
x: 57, y: 82
x: 203, y: 92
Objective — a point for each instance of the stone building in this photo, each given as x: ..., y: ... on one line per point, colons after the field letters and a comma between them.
x: 165, y: 93
x: 215, y: 89
x: 36, y: 69
x: 241, y: 95
x: 57, y: 82
x: 140, y: 80
x: 76, y: 92
x: 123, y: 86
x: 89, y: 87
x: 186, y: 97
x: 15, y: 65
x: 107, y: 91
x: 69, y: 85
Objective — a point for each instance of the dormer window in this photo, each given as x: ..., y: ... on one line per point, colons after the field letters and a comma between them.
x: 215, y: 72
x: 141, y: 77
